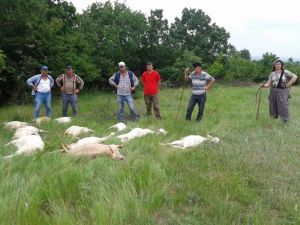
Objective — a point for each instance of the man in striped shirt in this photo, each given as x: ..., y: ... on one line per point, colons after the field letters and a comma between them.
x: 201, y: 82
x: 125, y: 82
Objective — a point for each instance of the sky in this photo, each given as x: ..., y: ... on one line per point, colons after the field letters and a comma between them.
x: 257, y: 25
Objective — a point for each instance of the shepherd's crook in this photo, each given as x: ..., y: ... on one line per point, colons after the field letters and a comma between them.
x: 185, y: 75
x: 258, y: 97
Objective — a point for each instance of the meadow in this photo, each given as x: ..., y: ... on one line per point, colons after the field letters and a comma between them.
x: 251, y: 177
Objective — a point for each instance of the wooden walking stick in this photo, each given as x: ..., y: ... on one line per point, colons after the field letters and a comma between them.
x: 185, y: 77
x: 258, y: 98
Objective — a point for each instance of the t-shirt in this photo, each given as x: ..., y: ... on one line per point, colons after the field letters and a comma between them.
x: 151, y: 82
x: 274, y: 78
x: 44, y: 86
x: 199, y: 82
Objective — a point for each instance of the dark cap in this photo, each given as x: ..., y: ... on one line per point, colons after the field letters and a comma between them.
x: 196, y: 64
x: 149, y: 63
x: 44, y: 68
x: 68, y: 67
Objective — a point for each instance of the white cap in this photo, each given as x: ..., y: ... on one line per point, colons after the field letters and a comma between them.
x: 121, y: 64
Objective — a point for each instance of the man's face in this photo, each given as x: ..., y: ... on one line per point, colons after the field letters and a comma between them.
x: 149, y: 67
x: 69, y: 72
x: 197, y: 69
x: 122, y: 69
x: 44, y: 71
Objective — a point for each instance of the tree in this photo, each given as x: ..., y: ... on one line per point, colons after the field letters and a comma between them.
x: 245, y: 54
x: 195, y: 32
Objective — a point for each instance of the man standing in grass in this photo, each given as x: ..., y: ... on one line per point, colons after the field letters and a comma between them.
x: 201, y: 82
x: 41, y: 85
x: 125, y: 82
x: 70, y: 85
x: 151, y: 81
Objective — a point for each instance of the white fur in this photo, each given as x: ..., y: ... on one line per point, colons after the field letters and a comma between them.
x: 192, y: 141
x: 63, y: 120
x: 76, y: 131
x: 27, y: 144
x: 134, y: 133
x: 161, y: 131
x: 40, y: 120
x: 14, y: 125
x: 89, y: 140
x: 96, y: 149
x: 119, y: 126
x: 25, y: 131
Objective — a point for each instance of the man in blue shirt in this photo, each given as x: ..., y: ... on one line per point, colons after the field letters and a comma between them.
x: 201, y: 82
x: 41, y: 85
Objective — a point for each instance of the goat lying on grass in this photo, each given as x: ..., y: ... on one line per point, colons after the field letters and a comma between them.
x: 27, y: 145
x: 41, y: 120
x: 95, y: 149
x: 14, y: 125
x: 134, y: 133
x: 192, y: 141
x: 89, y: 140
x: 63, y: 120
x: 76, y: 131
x: 25, y: 131
x: 119, y: 126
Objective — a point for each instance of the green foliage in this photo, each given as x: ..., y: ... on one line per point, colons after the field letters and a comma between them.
x: 241, y: 69
x: 217, y: 68
x: 50, y: 32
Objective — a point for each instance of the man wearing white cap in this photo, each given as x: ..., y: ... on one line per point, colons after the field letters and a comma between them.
x: 125, y: 82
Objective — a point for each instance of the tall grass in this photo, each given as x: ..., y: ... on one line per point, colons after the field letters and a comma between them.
x: 251, y: 177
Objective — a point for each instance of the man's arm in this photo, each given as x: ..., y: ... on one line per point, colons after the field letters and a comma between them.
x: 111, y: 81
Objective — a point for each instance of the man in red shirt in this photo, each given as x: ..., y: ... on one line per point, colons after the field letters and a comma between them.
x: 151, y: 81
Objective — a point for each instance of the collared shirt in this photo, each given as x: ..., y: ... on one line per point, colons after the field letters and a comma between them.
x: 124, y: 86
x: 151, y: 82
x: 199, y: 82
x: 70, y: 83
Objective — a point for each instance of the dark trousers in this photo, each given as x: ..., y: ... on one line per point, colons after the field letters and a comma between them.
x: 196, y: 99
x: 69, y: 99
x: 152, y: 100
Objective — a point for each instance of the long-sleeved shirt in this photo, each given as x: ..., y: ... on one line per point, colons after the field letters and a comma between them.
x: 36, y: 79
x: 124, y: 85
x: 69, y: 83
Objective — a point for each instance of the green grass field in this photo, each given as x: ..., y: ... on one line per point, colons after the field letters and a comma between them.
x: 251, y: 177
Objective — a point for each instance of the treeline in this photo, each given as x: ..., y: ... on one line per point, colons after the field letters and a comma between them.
x: 47, y: 32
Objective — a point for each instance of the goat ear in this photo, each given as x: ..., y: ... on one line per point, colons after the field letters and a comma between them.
x: 120, y: 146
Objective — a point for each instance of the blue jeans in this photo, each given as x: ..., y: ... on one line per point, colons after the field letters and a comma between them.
x: 129, y: 101
x: 69, y: 99
x: 200, y: 99
x: 39, y: 99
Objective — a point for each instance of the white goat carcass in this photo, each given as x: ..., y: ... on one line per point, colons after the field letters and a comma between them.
x: 134, y: 133
x: 192, y: 141
x: 63, y: 120
x: 76, y: 131
x: 14, y: 125
x: 40, y: 120
x: 119, y: 126
x: 95, y: 149
x: 27, y: 145
x: 25, y: 131
x: 161, y: 131
x: 89, y: 140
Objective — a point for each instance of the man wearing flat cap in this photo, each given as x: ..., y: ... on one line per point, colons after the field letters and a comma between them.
x: 125, y: 82
x: 41, y: 85
x: 70, y: 85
